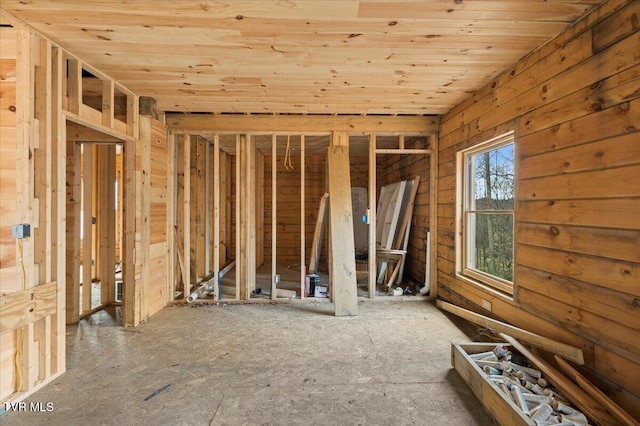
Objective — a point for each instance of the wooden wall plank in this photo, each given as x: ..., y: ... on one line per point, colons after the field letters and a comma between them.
x: 301, y: 123
x: 106, y: 222
x: 158, y: 225
x: 21, y: 308
x: 87, y: 226
x: 73, y: 232
x: 574, y: 105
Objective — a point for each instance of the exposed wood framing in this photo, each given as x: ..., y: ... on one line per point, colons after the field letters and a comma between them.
x: 183, y: 123
x: 303, y: 221
x: 87, y: 227
x: 186, y: 212
x: 433, y: 217
x: 343, y: 270
x: 21, y: 308
x: 217, y: 176
x: 106, y: 222
x: 372, y: 215
x: 74, y: 198
x: 274, y: 214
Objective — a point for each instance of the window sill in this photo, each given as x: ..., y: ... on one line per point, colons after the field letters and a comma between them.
x: 509, y: 298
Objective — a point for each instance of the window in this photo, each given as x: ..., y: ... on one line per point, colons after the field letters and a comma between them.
x: 486, y: 202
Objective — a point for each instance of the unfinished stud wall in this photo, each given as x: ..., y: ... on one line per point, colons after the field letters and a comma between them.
x: 288, y: 205
x: 575, y: 107
x: 31, y: 192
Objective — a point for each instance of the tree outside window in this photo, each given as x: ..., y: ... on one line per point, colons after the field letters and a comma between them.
x: 488, y: 205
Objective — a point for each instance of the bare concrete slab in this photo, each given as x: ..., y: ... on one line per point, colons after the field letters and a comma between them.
x: 270, y: 364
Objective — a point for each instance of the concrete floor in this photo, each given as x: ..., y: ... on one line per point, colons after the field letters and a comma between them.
x: 286, y: 364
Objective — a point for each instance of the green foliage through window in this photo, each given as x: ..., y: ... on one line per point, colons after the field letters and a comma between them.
x: 488, y: 209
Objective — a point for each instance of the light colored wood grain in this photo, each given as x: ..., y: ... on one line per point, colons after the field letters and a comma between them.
x: 567, y: 388
x: 27, y: 306
x: 388, y: 38
x: 550, y: 345
x: 595, y: 393
x: 503, y: 410
x: 342, y: 251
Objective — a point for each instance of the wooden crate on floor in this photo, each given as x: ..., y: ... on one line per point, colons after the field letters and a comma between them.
x: 504, y: 411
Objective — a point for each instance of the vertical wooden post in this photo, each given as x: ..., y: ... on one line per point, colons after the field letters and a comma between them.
x: 245, y: 208
x: 372, y: 215
x: 43, y: 193
x: 343, y: 273
x: 259, y: 206
x: 433, y: 215
x: 199, y: 197
x: 87, y: 225
x: 42, y: 234
x: 240, y: 225
x: 250, y: 207
x: 59, y: 164
x: 74, y: 85
x: 143, y: 222
x: 303, y: 216
x: 172, y: 175
x: 216, y: 216
x: 225, y: 204
x: 274, y: 213
x: 108, y: 93
x: 129, y: 266
x: 207, y: 207
x: 106, y: 222
x: 133, y: 108
x: 186, y: 226
x: 73, y: 199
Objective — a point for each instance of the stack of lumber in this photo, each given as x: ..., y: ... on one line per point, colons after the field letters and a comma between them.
x: 394, y: 212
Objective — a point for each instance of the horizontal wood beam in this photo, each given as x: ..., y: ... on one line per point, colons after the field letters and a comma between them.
x: 27, y: 306
x: 567, y: 351
x: 404, y: 151
x: 80, y: 133
x: 203, y: 123
x: 97, y: 127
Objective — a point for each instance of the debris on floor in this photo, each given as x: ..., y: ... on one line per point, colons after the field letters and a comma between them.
x: 526, y: 387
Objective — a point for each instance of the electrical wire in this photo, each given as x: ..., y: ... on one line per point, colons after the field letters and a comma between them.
x: 287, y: 155
x: 17, y: 361
x: 20, y: 332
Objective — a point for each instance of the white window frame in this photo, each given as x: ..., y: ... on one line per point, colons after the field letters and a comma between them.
x: 464, y: 215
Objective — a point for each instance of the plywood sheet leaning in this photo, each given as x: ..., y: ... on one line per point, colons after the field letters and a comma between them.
x: 389, y: 214
x: 314, y: 257
x: 402, y: 236
x: 343, y: 271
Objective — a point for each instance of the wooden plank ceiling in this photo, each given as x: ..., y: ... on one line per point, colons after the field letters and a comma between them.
x: 296, y: 56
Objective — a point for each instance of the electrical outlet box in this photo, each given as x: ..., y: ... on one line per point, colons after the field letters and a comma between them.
x: 21, y: 230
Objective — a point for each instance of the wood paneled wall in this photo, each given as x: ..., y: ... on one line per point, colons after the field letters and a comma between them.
x: 32, y: 153
x: 575, y: 106
x: 159, y: 225
x: 8, y: 165
x: 8, y: 198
